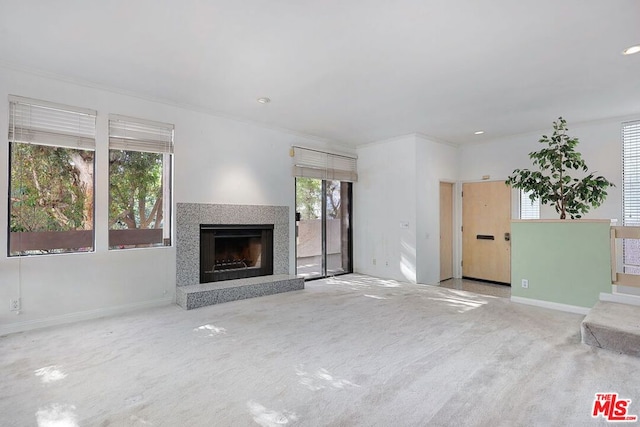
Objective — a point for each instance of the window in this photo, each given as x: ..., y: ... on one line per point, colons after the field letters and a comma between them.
x: 631, y: 193
x: 529, y: 209
x: 140, y: 156
x: 51, y: 184
x: 631, y: 173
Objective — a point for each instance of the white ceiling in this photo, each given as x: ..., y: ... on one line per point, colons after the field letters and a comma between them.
x: 352, y: 71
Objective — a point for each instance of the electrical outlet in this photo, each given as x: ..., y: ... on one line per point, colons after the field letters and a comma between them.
x: 374, y: 261
x: 14, y: 304
x: 525, y: 283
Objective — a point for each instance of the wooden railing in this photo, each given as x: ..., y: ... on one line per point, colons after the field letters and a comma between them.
x: 48, y: 240
x: 135, y: 237
x: 617, y: 257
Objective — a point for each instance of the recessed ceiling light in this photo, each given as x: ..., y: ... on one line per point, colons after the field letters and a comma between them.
x: 478, y: 132
x: 264, y: 100
x: 631, y: 50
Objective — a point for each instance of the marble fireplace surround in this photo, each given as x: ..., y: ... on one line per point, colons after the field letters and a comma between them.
x: 189, y: 216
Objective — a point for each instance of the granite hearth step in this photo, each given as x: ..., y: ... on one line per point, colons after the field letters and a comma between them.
x: 613, y: 326
x: 194, y: 296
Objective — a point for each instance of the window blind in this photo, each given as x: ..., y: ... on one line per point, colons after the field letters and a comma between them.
x: 131, y: 134
x: 631, y: 173
x: 310, y: 163
x: 529, y: 209
x: 45, y: 123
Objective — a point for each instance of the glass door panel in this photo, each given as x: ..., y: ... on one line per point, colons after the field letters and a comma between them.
x: 309, y: 228
x: 334, y: 228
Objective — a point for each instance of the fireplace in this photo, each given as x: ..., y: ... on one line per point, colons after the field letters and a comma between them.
x: 235, y: 251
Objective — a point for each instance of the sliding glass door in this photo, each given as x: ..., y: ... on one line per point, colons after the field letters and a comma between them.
x: 323, y: 227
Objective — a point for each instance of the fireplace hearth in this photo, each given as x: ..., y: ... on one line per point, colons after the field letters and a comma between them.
x: 235, y: 251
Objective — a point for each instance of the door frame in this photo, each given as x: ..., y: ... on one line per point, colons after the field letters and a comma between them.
x: 453, y: 226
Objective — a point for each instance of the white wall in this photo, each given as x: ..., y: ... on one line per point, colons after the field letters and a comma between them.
x: 435, y: 163
x: 399, y: 183
x: 216, y: 161
x: 384, y: 196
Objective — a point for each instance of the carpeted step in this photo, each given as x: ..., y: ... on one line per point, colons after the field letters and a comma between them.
x: 614, y: 327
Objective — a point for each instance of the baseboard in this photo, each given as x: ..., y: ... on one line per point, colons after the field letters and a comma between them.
x: 552, y: 305
x: 620, y: 298
x: 80, y: 316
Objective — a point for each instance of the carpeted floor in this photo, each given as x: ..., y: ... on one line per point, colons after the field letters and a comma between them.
x: 349, y: 351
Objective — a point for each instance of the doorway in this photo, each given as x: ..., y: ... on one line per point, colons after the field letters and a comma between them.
x: 446, y: 231
x: 323, y: 227
x: 486, y: 231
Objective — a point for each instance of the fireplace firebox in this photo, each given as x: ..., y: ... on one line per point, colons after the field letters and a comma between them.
x: 235, y: 251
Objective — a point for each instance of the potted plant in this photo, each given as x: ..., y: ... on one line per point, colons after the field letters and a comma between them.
x: 553, y: 182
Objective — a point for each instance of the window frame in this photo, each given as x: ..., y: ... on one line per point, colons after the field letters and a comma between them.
x: 143, y: 136
x: 529, y: 209
x: 53, y: 126
x: 630, y: 137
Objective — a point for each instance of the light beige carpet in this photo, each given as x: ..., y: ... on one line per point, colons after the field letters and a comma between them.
x: 350, y: 351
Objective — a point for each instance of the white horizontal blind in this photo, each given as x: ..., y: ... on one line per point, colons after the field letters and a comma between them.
x: 631, y: 173
x: 127, y: 133
x: 529, y: 209
x: 318, y: 164
x: 45, y: 123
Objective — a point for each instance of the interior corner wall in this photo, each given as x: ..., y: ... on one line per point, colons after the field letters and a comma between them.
x: 216, y: 160
x: 396, y: 208
x: 384, y: 198
x: 436, y: 163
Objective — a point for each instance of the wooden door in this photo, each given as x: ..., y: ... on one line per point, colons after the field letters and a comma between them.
x: 486, y: 228
x: 446, y: 230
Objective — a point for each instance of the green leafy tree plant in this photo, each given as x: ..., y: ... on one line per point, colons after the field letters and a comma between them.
x: 135, y: 190
x: 553, y: 182
x: 308, y: 197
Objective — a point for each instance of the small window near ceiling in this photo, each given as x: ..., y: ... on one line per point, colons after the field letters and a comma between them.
x: 140, y: 158
x: 529, y: 208
x: 51, y: 178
